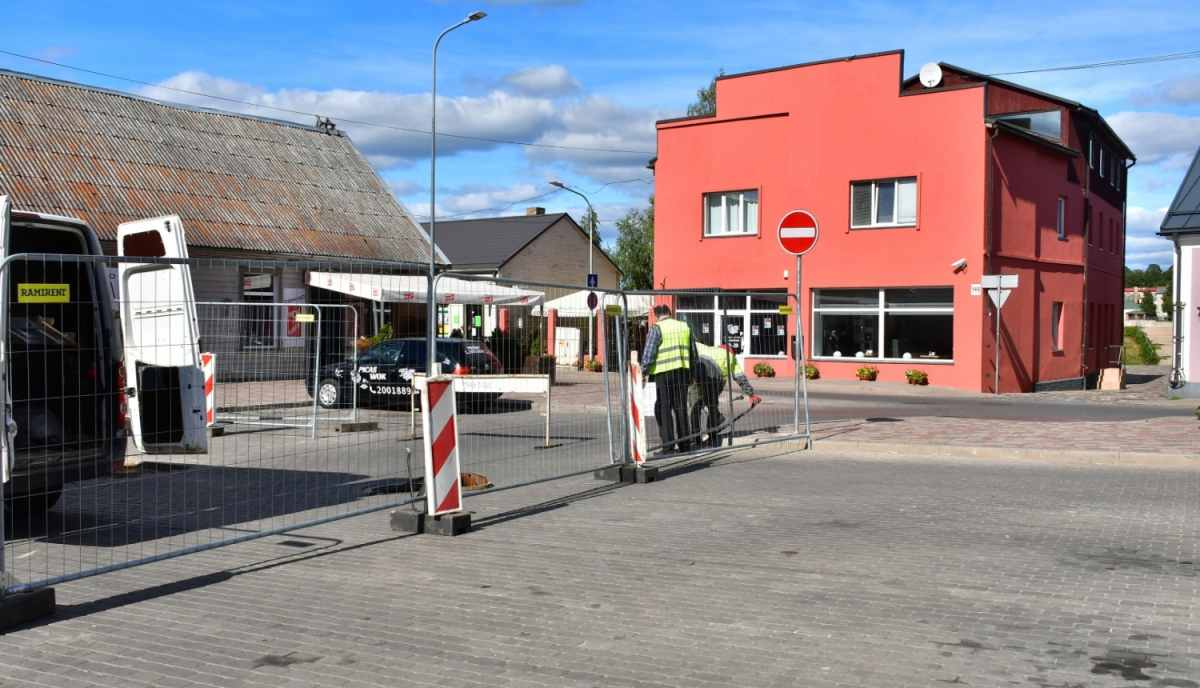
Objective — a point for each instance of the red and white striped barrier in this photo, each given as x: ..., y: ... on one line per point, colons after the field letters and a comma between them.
x: 208, y: 363
x: 637, y: 414
x: 442, y: 476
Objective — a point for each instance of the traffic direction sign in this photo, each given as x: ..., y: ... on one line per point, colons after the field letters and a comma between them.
x: 593, y: 281
x: 798, y: 232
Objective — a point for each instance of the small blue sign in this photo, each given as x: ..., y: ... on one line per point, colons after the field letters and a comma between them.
x: 592, y: 300
x: 593, y: 281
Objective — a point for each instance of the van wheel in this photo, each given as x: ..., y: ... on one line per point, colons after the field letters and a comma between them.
x: 34, y: 505
x: 329, y: 393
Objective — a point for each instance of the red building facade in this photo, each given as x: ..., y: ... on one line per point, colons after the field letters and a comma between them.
x: 906, y: 181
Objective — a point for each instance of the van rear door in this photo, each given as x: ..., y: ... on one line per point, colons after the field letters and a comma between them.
x: 162, y: 340
x: 6, y: 451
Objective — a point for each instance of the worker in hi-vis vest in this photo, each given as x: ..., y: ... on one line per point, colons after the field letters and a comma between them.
x: 715, y: 365
x: 668, y: 360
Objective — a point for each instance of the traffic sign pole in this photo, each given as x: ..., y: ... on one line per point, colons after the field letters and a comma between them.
x: 798, y: 232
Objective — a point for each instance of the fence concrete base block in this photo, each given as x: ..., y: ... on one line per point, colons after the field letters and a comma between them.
x: 448, y: 524
x: 356, y: 426
x: 408, y: 521
x: 23, y: 607
x: 639, y: 474
x: 216, y: 431
x: 609, y: 473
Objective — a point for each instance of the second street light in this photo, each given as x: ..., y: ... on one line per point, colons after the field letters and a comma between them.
x: 431, y: 297
x: 591, y: 249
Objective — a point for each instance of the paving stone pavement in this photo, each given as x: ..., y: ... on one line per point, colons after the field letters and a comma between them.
x: 759, y: 568
x: 1175, y: 435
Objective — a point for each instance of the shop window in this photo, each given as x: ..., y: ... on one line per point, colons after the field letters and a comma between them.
x: 750, y: 325
x: 883, y: 203
x: 1062, y: 218
x: 1047, y: 123
x: 884, y: 324
x: 730, y: 214
x: 258, y: 320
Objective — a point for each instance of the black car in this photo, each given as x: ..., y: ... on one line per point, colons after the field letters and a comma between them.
x: 382, y: 375
x: 64, y: 377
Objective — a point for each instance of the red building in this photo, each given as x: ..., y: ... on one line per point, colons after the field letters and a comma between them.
x: 906, y: 180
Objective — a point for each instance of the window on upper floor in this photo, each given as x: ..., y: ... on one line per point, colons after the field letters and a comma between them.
x: 731, y: 213
x: 1048, y: 123
x: 883, y: 203
x: 1062, y: 218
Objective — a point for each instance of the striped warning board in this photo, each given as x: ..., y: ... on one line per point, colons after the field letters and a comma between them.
x: 443, y: 492
x: 637, y: 414
x: 208, y: 363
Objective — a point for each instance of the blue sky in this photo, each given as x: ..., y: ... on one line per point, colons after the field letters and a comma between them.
x: 598, y: 73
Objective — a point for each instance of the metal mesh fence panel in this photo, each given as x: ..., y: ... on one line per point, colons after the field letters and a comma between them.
x: 112, y: 459
x: 743, y: 386
x: 530, y: 406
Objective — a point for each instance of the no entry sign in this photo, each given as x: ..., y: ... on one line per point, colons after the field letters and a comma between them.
x: 798, y: 232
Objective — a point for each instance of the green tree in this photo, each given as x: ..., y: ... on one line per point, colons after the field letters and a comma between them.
x: 634, y: 248
x: 1148, y: 306
x: 591, y: 220
x: 1168, y: 305
x: 706, y: 99
x: 1154, y: 275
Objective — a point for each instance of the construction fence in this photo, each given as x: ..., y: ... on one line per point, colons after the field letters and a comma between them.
x: 145, y: 422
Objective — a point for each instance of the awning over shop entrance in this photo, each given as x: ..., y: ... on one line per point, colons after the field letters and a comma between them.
x: 575, y: 305
x: 414, y: 289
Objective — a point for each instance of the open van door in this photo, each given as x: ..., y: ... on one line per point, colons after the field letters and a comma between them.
x: 10, y: 425
x: 162, y: 340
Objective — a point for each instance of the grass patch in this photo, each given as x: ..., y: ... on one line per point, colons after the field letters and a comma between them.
x: 1139, y: 350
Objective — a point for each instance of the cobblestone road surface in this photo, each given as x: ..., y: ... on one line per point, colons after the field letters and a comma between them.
x: 761, y: 568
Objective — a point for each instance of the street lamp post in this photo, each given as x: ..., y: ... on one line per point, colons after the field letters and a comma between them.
x: 431, y: 297
x: 591, y: 247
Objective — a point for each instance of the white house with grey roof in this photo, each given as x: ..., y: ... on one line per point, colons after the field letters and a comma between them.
x: 1182, y: 226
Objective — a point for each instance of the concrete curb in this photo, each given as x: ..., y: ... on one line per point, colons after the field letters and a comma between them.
x: 1065, y: 455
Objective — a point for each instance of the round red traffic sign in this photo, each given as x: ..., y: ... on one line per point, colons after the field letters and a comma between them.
x: 798, y: 232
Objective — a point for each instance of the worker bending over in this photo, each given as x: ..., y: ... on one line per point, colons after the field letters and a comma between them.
x: 716, y: 365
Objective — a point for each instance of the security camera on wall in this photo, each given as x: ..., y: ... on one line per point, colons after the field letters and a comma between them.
x: 959, y: 265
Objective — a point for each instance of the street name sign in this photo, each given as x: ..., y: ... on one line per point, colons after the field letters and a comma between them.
x: 798, y: 232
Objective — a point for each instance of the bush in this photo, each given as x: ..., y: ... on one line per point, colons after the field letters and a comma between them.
x: 593, y: 365
x: 812, y: 372
x: 868, y: 373
x: 916, y: 377
x: 764, y: 370
x: 1146, y: 353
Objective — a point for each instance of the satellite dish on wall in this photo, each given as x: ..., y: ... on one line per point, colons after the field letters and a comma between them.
x: 931, y: 75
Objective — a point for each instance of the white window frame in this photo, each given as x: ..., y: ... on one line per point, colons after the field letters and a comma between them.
x: 881, y: 311
x: 746, y: 313
x: 273, y: 306
x: 743, y: 208
x: 1062, y: 218
x: 875, y: 183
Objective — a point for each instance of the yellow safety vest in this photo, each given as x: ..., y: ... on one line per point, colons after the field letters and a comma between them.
x: 673, y: 351
x: 726, y: 362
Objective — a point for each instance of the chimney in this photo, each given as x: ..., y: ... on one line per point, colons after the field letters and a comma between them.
x: 535, y: 211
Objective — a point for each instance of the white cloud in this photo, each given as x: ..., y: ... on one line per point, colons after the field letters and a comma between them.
x: 1184, y: 90
x: 1158, y: 136
x: 552, y: 81
x: 501, y: 114
x: 1142, y: 246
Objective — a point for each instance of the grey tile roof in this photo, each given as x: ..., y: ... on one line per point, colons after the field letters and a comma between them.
x: 1183, y: 217
x: 238, y: 182
x: 488, y: 243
